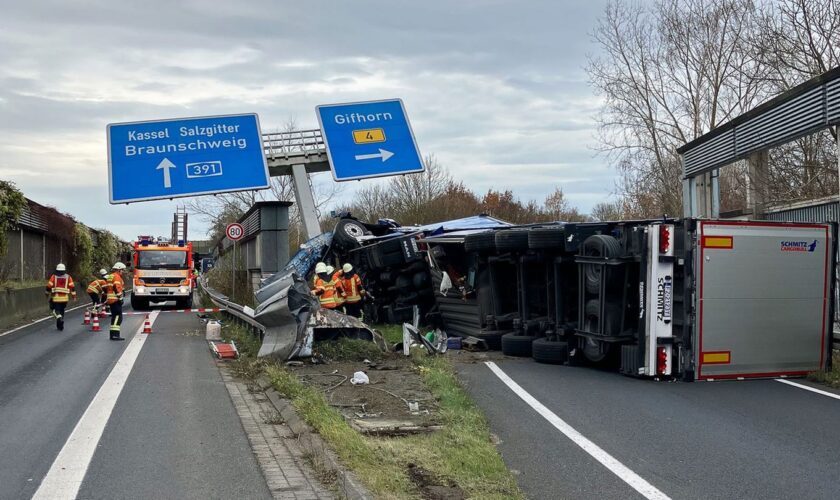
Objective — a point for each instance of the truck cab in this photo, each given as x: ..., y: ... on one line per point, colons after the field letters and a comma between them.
x: 163, y: 271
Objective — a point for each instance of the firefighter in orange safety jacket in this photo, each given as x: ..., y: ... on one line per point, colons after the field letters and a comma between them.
x: 114, y: 298
x: 96, y: 290
x: 60, y: 288
x: 327, y: 289
x: 354, y: 291
x: 336, y: 278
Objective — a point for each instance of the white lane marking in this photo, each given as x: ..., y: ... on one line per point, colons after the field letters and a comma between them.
x: 65, y: 476
x: 40, y: 320
x: 809, y: 388
x: 619, y: 469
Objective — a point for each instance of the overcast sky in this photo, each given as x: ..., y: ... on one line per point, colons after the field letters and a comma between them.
x: 495, y: 89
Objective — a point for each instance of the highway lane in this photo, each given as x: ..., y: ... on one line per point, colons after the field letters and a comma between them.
x: 752, y: 439
x: 173, y: 432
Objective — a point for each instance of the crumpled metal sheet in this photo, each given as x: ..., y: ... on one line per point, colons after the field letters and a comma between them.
x: 285, y: 316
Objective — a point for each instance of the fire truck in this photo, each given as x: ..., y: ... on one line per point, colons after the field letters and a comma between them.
x: 163, y: 271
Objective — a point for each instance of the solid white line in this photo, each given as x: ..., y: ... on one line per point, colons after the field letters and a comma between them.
x: 623, y: 472
x: 39, y: 320
x: 809, y: 388
x: 67, y: 472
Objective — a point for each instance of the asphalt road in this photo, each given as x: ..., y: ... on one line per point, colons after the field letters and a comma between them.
x: 750, y: 439
x: 173, y: 432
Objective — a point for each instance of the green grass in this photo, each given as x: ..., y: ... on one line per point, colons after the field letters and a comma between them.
x: 461, y: 453
x: 830, y: 378
x: 345, y: 349
x: 18, y: 285
x: 391, y: 333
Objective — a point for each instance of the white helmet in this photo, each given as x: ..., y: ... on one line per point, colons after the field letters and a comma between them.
x: 61, y: 267
x: 119, y: 266
x: 330, y: 269
x: 103, y: 272
x: 320, y: 268
x: 347, y: 268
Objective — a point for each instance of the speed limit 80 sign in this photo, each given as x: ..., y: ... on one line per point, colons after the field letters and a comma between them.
x: 234, y: 231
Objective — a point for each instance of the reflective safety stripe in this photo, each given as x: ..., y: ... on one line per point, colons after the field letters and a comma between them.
x: 351, y: 287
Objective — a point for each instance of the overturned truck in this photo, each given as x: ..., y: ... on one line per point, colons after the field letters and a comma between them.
x: 688, y: 299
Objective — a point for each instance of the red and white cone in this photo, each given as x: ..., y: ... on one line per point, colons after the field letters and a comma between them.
x: 95, y: 327
x: 102, y: 313
x: 147, y: 325
x: 87, y: 318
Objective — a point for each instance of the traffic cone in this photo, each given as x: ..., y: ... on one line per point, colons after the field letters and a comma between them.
x: 87, y: 318
x: 95, y: 327
x: 147, y: 325
x: 102, y: 313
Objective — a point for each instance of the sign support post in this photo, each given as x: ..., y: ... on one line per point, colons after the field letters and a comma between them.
x: 306, y: 201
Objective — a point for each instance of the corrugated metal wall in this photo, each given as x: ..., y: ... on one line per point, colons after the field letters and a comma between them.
x: 824, y: 212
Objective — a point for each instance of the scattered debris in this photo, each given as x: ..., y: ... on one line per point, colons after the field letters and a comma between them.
x: 360, y: 378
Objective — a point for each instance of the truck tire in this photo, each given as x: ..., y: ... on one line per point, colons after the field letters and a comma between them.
x: 598, y: 245
x: 546, y: 238
x: 346, y: 233
x: 592, y: 318
x: 595, y: 350
x: 552, y: 352
x: 493, y: 338
x: 511, y: 240
x: 138, y: 303
x: 480, y: 242
x: 517, y: 345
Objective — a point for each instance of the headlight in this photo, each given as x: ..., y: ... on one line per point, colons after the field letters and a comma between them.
x: 183, y: 289
x: 140, y: 290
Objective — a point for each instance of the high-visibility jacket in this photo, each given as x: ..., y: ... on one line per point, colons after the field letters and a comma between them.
x: 113, y: 289
x: 336, y: 277
x: 97, y: 286
x: 60, y: 288
x: 329, y: 292
x: 353, y: 289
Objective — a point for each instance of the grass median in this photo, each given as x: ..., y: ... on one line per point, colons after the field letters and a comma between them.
x: 460, y: 456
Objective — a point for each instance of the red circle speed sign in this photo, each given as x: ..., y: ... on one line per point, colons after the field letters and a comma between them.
x: 234, y: 231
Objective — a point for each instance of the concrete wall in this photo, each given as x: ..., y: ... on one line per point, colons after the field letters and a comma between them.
x: 18, y: 306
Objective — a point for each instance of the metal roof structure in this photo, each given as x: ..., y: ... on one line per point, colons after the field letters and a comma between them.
x: 803, y: 110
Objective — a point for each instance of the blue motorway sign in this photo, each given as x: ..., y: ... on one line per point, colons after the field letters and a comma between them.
x: 369, y: 139
x: 157, y: 160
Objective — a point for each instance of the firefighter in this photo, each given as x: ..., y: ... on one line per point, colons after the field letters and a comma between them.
x: 60, y: 288
x: 96, y: 290
x: 114, y: 298
x: 326, y: 288
x: 353, y: 289
x: 320, y: 265
x: 336, y: 278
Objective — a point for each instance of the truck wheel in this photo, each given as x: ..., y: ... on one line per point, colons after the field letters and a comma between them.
x: 512, y: 240
x: 517, y: 345
x: 139, y: 304
x: 552, y: 352
x: 592, y: 318
x: 346, y: 233
x: 546, y: 238
x: 480, y: 242
x: 595, y: 350
x: 598, y: 245
x: 493, y: 338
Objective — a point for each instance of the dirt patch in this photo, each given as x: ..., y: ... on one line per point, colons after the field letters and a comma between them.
x: 431, y: 487
x: 395, y: 397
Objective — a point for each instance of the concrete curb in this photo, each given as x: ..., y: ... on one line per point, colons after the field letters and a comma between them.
x: 311, y: 442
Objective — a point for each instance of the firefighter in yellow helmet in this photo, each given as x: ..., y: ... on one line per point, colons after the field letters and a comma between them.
x: 114, y: 298
x: 60, y: 288
x: 353, y: 290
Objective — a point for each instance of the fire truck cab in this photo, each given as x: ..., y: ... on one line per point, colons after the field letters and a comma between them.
x: 163, y: 271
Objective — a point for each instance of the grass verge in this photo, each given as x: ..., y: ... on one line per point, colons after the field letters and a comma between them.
x: 830, y: 378
x: 460, y: 455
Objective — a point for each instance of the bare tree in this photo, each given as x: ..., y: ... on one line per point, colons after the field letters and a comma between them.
x: 669, y: 72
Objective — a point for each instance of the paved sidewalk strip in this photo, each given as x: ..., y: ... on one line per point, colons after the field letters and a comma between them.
x: 274, y: 445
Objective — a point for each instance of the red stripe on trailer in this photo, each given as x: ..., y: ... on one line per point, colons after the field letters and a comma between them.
x: 754, y: 375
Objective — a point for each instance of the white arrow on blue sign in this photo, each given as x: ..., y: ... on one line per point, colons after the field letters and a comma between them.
x: 369, y: 139
x: 155, y: 160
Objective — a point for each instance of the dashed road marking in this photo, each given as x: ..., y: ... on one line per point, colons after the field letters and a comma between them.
x: 39, y: 320
x: 67, y: 472
x: 619, y: 469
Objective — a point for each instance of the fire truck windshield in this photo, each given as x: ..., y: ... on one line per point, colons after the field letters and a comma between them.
x: 157, y: 259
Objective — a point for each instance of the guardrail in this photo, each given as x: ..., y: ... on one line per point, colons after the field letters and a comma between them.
x: 236, y: 311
